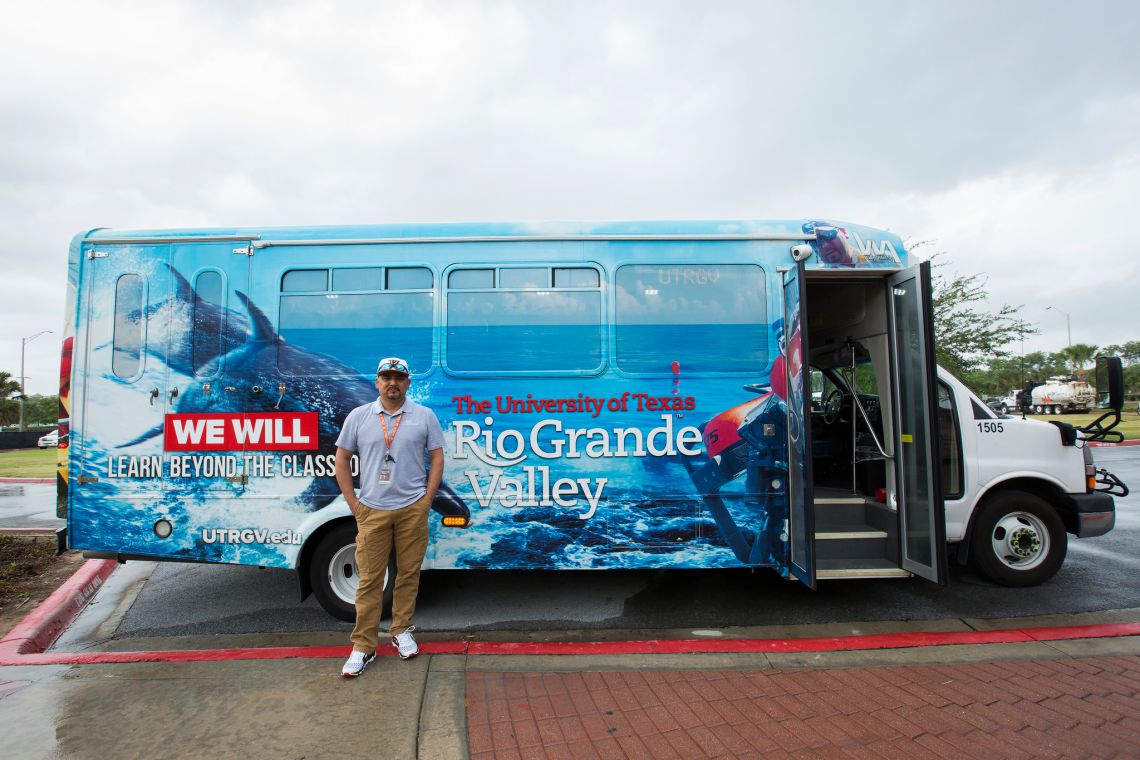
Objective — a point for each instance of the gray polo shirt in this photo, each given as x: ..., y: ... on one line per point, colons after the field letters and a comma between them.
x: 419, y: 431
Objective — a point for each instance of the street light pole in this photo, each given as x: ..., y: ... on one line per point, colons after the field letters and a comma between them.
x: 1021, y: 380
x: 1068, y: 331
x: 23, y: 344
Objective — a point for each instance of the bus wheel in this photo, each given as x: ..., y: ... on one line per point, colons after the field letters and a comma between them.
x: 333, y: 574
x: 1018, y: 540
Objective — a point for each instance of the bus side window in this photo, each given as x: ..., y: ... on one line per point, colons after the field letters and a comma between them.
x: 207, y: 321
x: 950, y: 443
x: 130, y: 318
x: 711, y: 318
x: 358, y: 278
x: 513, y: 319
x: 301, y: 280
x: 575, y: 277
x: 358, y: 319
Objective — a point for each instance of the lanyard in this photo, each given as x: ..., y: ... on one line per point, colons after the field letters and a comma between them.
x: 395, y: 429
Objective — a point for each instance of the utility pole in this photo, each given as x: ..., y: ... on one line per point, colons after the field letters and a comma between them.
x: 23, y: 394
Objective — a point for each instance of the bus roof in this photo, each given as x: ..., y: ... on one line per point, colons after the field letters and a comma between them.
x: 793, y: 229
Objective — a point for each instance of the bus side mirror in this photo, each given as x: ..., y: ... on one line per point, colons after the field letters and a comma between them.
x: 1110, y: 381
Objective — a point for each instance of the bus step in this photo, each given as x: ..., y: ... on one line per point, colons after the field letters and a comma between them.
x: 841, y: 510
x: 840, y: 535
x: 851, y: 542
x: 847, y: 569
x: 845, y: 499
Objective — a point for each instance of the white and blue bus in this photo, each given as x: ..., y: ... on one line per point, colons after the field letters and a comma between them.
x: 614, y: 395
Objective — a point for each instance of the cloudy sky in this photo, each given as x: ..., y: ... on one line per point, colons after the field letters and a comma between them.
x: 1007, y: 134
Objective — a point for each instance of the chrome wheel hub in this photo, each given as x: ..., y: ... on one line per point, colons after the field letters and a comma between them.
x: 1020, y: 540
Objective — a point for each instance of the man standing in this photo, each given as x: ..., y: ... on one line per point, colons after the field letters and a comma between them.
x: 390, y: 435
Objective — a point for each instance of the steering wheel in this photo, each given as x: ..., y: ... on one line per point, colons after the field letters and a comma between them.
x: 833, y: 406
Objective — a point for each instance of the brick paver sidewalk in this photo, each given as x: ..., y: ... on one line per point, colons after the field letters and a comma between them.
x: 1030, y: 709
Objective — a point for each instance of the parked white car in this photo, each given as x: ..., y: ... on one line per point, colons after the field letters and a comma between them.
x: 49, y: 441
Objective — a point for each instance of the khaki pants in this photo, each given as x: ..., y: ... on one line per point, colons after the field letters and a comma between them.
x: 377, y: 531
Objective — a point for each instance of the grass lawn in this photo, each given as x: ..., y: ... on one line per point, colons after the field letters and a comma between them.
x: 1129, y: 422
x: 27, y: 463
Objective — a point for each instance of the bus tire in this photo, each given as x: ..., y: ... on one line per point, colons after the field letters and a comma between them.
x: 333, y: 576
x: 1018, y: 540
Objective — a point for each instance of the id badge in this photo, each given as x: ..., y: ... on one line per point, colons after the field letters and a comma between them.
x: 385, y: 475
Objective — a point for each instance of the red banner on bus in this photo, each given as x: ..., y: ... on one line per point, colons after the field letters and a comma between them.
x: 252, y: 431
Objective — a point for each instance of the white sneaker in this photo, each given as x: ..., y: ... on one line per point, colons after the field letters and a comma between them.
x: 357, y: 662
x: 405, y: 644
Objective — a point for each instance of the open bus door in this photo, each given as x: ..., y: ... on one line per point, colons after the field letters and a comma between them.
x: 801, y: 531
x: 921, y: 509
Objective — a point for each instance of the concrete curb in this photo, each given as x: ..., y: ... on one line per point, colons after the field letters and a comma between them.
x: 1098, y: 444
x: 36, y: 632
x: 27, y: 643
x: 29, y: 481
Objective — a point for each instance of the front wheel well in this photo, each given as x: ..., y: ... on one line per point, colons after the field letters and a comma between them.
x: 1043, y: 489
x: 306, y: 556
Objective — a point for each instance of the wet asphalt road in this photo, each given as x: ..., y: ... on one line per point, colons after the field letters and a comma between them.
x: 28, y: 505
x: 1098, y: 575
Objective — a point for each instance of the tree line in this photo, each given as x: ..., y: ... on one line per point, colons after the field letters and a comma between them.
x: 1002, y: 374
x: 980, y: 346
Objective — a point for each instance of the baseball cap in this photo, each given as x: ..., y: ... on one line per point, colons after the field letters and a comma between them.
x: 393, y: 364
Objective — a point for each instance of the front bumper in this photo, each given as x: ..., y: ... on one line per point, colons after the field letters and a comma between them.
x: 1090, y: 514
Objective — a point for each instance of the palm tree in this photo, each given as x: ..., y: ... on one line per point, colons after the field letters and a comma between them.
x: 9, y: 390
x: 1079, y: 355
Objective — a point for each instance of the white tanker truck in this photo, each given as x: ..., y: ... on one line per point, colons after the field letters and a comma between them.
x: 1059, y: 395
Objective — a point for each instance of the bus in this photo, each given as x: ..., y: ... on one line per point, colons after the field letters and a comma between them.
x: 613, y: 395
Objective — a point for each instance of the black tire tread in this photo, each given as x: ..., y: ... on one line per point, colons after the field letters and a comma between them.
x: 996, y: 506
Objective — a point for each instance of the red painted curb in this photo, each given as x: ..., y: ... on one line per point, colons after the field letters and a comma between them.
x: 36, y: 632
x: 685, y: 646
x: 832, y: 644
x: 1097, y: 444
x: 45, y: 481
